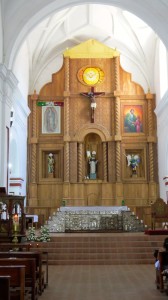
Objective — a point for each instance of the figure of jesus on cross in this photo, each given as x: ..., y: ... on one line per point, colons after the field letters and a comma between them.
x: 92, y: 95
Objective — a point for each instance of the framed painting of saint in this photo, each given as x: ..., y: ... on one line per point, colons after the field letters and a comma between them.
x: 51, y: 119
x: 133, y: 118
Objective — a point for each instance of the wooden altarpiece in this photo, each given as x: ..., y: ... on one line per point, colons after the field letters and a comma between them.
x: 86, y: 108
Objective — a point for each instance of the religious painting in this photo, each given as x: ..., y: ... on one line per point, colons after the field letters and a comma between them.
x: 51, y: 119
x: 133, y: 118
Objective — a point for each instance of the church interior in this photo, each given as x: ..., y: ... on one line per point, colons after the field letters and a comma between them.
x: 83, y: 104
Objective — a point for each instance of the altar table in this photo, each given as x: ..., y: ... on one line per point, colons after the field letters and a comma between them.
x: 94, y: 218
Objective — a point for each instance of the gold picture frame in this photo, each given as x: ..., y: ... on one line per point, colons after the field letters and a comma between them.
x: 133, y: 118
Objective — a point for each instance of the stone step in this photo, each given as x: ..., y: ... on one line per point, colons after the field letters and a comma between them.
x: 115, y: 250
x: 101, y: 262
x: 101, y: 249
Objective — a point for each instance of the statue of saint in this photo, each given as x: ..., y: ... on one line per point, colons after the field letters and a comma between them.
x: 133, y: 161
x: 50, y: 163
x: 93, y: 162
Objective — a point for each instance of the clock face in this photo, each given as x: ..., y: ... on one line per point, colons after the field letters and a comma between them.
x: 90, y: 75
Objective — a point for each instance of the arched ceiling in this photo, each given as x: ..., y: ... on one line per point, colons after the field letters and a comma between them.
x: 109, y: 25
x: 48, y: 28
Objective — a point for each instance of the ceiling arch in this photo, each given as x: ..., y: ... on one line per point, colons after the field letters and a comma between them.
x: 26, y: 15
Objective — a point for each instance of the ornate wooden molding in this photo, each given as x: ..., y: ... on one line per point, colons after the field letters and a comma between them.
x: 105, y: 160
x: 66, y: 162
x: 80, y: 162
x: 118, y: 162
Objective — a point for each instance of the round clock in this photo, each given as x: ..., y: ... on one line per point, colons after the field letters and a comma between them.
x: 90, y: 75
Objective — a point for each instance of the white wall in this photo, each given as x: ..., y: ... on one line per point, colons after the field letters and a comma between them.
x: 1, y: 35
x: 18, y: 141
x: 21, y: 70
x: 162, y: 130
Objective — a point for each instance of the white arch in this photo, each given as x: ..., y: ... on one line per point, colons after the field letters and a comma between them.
x: 32, y: 13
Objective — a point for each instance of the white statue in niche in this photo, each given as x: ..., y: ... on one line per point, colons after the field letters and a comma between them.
x: 93, y: 162
x: 51, y: 163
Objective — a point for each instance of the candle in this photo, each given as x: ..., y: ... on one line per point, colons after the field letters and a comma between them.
x: 16, y: 222
x: 16, y: 227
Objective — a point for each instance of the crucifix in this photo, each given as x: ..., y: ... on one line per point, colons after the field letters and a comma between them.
x: 92, y: 95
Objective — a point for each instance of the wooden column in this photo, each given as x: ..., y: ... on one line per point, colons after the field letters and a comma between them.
x: 80, y: 162
x: 73, y: 162
x: 111, y: 161
x: 117, y: 119
x: 66, y: 122
x: 32, y: 167
x: 66, y: 162
x: 33, y: 172
x: 105, y: 160
x: 66, y: 99
x: 151, y: 163
x: 151, y: 138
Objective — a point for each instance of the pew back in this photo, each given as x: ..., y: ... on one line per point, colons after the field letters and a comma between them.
x: 5, y: 287
x: 29, y: 254
x: 13, y: 246
x: 31, y: 284
x: 17, y: 278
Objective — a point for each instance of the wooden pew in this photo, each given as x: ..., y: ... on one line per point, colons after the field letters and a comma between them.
x: 44, y: 260
x: 30, y: 254
x: 17, y: 279
x: 15, y: 246
x: 31, y: 283
x: 5, y: 287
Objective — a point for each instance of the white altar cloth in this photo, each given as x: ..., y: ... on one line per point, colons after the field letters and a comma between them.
x: 93, y: 208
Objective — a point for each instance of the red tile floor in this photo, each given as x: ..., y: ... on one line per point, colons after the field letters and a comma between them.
x: 102, y: 282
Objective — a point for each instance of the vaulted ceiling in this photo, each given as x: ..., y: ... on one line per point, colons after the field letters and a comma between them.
x: 109, y: 25
x: 66, y: 28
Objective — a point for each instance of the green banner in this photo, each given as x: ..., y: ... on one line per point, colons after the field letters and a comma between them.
x: 49, y: 103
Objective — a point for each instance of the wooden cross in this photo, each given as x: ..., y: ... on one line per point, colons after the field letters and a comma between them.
x: 92, y: 95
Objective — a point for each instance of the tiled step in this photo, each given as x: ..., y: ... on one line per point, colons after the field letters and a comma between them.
x: 101, y: 249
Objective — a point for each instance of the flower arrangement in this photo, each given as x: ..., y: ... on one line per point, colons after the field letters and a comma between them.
x: 31, y: 236
x: 43, y: 236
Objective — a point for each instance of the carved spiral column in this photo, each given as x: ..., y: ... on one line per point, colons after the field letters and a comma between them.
x: 105, y: 160
x: 150, y: 118
x: 117, y: 73
x: 118, y: 162
x: 117, y: 118
x: 34, y: 125
x: 34, y: 140
x: 151, y: 162
x: 33, y: 165
x: 66, y: 123
x: 151, y: 138
x: 66, y: 99
x: 80, y: 162
x: 66, y: 162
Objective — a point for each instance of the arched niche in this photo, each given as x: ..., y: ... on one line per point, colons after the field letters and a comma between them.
x: 93, y: 142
